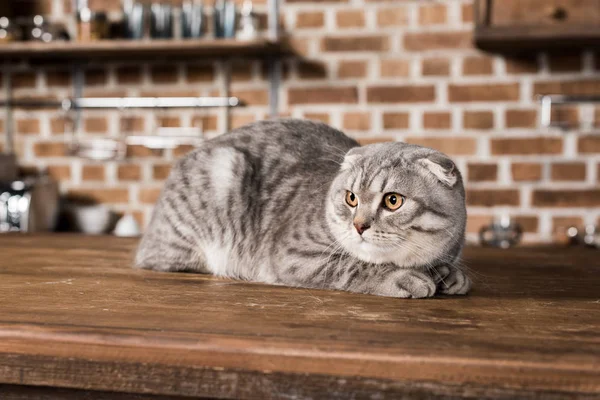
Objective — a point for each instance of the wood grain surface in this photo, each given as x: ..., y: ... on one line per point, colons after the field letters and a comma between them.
x: 77, y: 322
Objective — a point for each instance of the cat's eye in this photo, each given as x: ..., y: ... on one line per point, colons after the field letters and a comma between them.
x: 351, y: 199
x: 393, y: 201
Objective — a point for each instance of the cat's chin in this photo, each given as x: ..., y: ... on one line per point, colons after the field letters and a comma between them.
x: 371, y: 252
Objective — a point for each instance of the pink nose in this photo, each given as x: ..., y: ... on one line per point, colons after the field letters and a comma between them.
x: 360, y: 228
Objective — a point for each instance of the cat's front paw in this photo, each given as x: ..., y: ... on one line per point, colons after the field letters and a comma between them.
x: 414, y: 284
x: 452, y: 281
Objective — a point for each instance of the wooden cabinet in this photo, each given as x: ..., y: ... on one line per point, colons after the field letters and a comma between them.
x: 523, y: 25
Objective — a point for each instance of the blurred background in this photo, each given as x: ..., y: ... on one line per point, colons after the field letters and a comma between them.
x: 508, y: 89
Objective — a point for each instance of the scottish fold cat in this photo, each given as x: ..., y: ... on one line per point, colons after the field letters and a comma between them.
x: 298, y: 203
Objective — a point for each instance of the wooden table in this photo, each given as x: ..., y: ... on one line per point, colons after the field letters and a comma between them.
x: 77, y: 322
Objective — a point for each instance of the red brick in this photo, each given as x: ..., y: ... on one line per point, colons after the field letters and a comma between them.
x: 312, y: 70
x: 352, y: 69
x: 373, y: 140
x: 59, y: 126
x: 355, y: 43
x: 493, y: 197
x: 317, y: 117
x: 95, y: 124
x: 205, y: 122
x: 566, y: 198
x: 112, y: 195
x: 395, y: 68
x: 437, y: 120
x: 568, y: 171
x: 350, y: 18
x: 476, y: 222
x: 240, y: 72
x: 397, y: 16
x: 432, y: 14
x: 252, y: 97
x: 149, y: 195
x: 437, y: 41
x: 95, y: 76
x: 435, y: 67
x: 480, y: 120
x: 523, y: 171
x: 467, y: 12
x: 401, y: 94
x: 58, y: 78
x: 205, y: 73
x: 357, y: 121
x: 161, y: 171
x: 132, y: 124
x: 483, y: 92
x: 92, y: 173
x: 236, y: 121
x: 129, y: 172
x: 581, y: 87
x: 524, y: 65
x: 521, y: 118
x: 589, y: 144
x: 565, y: 62
x: 164, y: 73
x: 323, y: 95
x: 59, y: 172
x: 311, y: 19
x: 23, y: 80
x: 535, y: 145
x: 448, y: 145
x: 135, y: 151
x: 28, y: 126
x: 396, y: 120
x: 478, y: 66
x: 529, y: 223
x: 182, y: 150
x: 478, y: 172
x: 129, y: 74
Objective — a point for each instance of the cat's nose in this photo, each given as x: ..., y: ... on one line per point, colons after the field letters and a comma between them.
x: 360, y: 228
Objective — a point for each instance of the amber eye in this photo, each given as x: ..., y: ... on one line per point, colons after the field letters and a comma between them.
x: 393, y: 201
x: 351, y: 199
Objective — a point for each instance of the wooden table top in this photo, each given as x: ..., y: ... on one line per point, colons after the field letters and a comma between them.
x: 74, y: 315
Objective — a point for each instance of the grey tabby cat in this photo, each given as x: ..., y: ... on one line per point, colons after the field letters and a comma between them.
x: 298, y: 203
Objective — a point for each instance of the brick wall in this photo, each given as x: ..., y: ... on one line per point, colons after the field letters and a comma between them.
x: 379, y: 70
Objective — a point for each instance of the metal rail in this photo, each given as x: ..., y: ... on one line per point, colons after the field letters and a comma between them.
x: 548, y: 100
x: 127, y: 102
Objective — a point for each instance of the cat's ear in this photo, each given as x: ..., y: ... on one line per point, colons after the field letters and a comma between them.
x: 441, y: 167
x: 352, y: 157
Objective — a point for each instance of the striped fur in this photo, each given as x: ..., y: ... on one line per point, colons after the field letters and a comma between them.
x: 266, y: 203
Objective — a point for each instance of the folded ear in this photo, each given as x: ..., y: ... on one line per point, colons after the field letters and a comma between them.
x: 352, y: 157
x: 441, y: 167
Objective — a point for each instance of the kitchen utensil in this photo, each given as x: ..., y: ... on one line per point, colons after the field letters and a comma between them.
x: 503, y: 233
x: 161, y: 21
x: 591, y: 236
x: 248, y: 22
x: 224, y: 18
x: 127, y: 227
x: 192, y: 19
x: 92, y: 219
x: 8, y: 30
x: 134, y: 16
x: 29, y: 205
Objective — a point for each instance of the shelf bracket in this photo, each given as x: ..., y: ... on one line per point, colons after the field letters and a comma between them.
x: 274, y: 83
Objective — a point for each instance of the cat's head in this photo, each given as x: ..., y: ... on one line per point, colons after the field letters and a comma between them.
x: 399, y: 203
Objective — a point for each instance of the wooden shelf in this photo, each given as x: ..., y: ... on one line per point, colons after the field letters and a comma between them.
x: 519, y: 39
x: 139, y: 49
